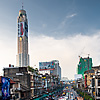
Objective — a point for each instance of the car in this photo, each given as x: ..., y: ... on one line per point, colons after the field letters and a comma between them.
x: 61, y: 99
x: 64, y: 93
x: 71, y: 94
x: 46, y: 92
x: 46, y: 98
x: 72, y: 98
x: 66, y: 97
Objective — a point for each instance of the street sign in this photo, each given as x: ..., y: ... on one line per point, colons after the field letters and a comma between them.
x: 93, y: 93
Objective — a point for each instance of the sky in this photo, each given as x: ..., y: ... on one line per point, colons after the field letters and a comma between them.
x: 58, y: 30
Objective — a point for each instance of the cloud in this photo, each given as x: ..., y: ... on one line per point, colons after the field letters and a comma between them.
x: 66, y: 21
x: 7, y: 53
x: 70, y: 16
x: 66, y: 50
x: 45, y: 48
x: 44, y: 25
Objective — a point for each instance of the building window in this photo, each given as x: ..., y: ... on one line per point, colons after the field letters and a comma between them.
x: 98, y: 91
x: 91, y: 75
x: 98, y: 82
x: 22, y: 94
x: 93, y: 82
x: 20, y: 14
x: 17, y: 95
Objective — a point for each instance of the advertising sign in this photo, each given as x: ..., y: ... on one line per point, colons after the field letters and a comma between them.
x: 22, y: 29
x: 77, y: 76
x: 45, y: 71
x: 46, y: 65
x: 26, y: 29
x: 5, y: 88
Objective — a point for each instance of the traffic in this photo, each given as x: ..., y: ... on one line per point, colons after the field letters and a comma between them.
x: 67, y: 93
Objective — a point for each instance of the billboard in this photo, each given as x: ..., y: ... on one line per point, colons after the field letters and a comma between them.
x: 5, y: 88
x: 77, y: 76
x: 46, y: 65
x: 22, y: 29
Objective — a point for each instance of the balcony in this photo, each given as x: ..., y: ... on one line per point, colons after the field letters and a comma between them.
x: 32, y: 87
x: 32, y: 80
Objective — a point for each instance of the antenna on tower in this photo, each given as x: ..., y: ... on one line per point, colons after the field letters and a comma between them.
x: 22, y: 4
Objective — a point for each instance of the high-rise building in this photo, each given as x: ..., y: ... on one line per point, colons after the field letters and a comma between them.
x: 84, y: 65
x: 51, y: 68
x: 22, y: 39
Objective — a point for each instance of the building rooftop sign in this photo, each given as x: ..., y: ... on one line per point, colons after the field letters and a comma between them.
x: 19, y: 74
x: 46, y: 65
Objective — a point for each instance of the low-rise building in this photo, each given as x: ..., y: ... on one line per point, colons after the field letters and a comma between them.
x: 88, y: 79
x: 79, y: 83
x: 96, y: 83
x: 50, y: 82
x: 28, y: 81
x: 23, y: 84
x: 36, y: 84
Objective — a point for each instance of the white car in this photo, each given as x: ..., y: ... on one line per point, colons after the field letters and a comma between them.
x: 66, y: 97
x: 61, y: 98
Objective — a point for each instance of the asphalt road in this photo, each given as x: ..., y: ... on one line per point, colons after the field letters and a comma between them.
x: 67, y: 94
x: 70, y: 95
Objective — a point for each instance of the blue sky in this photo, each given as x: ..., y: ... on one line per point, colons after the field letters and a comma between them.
x: 51, y: 16
x: 58, y: 29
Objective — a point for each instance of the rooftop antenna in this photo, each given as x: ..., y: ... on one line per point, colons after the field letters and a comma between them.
x: 88, y: 55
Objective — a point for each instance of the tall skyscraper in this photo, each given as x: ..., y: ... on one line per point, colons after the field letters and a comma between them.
x: 22, y: 39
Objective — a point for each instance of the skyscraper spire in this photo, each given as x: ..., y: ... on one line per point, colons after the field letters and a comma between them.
x: 22, y: 5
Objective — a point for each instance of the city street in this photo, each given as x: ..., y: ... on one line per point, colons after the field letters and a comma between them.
x: 69, y: 94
